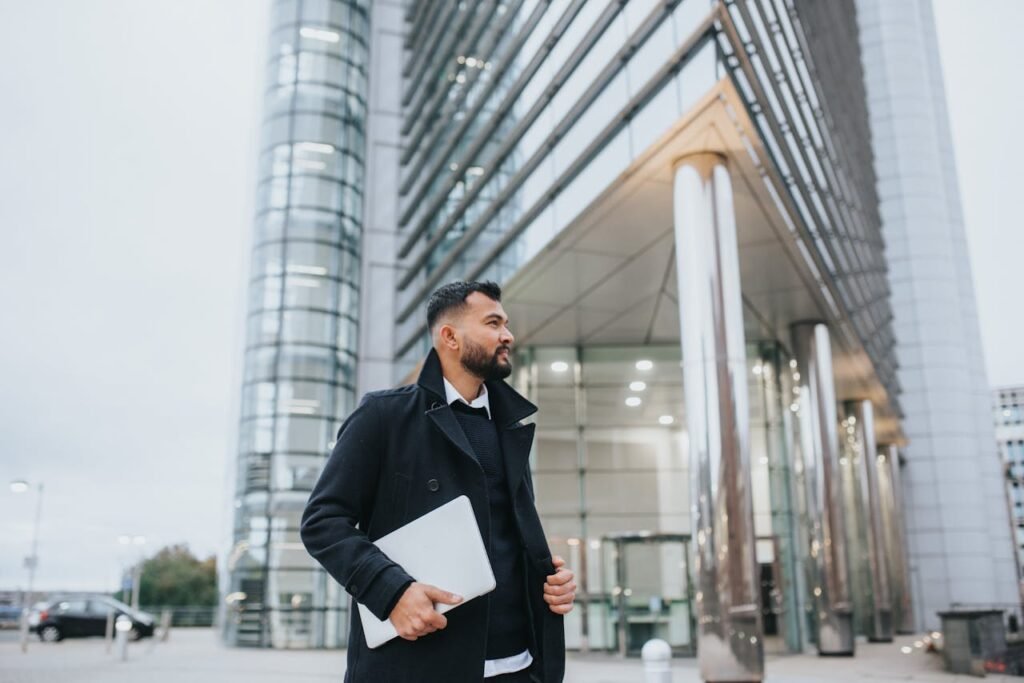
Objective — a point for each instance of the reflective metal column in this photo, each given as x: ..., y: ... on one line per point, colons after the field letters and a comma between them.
x: 828, y: 567
x: 895, y: 538
x: 729, y: 631
x: 878, y: 621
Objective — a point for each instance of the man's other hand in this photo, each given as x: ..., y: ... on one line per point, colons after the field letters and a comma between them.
x: 560, y: 588
x: 414, y: 615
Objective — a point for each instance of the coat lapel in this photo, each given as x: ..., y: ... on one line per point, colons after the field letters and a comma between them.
x: 516, y: 442
x: 507, y: 409
x: 444, y: 419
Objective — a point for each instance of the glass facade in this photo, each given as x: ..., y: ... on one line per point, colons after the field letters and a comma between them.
x: 302, y: 325
x: 509, y: 120
x: 613, y: 486
x: 589, y: 88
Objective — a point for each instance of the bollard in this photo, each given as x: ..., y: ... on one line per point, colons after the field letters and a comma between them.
x: 165, y: 625
x: 108, y: 633
x: 657, y: 657
x: 23, y: 629
x: 123, y: 625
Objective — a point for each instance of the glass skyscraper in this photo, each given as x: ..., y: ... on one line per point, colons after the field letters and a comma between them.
x: 684, y: 205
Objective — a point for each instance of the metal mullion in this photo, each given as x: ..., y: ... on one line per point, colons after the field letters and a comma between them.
x: 421, y: 77
x: 419, y: 116
x: 696, y: 40
x: 485, y: 134
x: 773, y: 43
x: 614, y: 64
x: 783, y: 190
x: 801, y: 149
x: 424, y: 25
x: 418, y: 135
x: 413, y: 12
x: 416, y: 171
x: 742, y: 57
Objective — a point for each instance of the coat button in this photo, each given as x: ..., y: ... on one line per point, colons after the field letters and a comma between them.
x: 433, y: 485
x: 435, y: 405
x: 353, y: 589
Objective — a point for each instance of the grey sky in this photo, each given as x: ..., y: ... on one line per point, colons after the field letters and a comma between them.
x: 980, y: 60
x: 128, y: 132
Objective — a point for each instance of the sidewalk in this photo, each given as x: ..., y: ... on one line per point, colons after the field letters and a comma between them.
x: 196, y: 656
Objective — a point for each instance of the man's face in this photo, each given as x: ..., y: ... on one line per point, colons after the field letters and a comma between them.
x: 486, y: 340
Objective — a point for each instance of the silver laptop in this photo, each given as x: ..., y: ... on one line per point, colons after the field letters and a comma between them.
x: 442, y: 548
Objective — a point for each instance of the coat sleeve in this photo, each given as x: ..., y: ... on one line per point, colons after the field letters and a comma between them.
x: 340, y: 506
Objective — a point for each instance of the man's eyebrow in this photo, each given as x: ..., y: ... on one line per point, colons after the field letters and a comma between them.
x: 496, y: 315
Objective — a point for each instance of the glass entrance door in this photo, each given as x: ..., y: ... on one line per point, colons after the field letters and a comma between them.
x: 649, y: 588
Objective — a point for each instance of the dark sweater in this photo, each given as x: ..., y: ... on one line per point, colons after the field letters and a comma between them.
x: 508, y: 626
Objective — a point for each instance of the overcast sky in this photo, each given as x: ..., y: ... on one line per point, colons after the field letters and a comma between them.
x: 127, y: 171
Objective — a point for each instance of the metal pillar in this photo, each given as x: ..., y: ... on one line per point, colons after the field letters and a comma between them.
x: 895, y: 537
x: 729, y: 630
x: 878, y: 621
x: 829, y: 565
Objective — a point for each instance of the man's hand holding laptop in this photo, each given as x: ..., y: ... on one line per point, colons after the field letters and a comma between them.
x: 414, y: 616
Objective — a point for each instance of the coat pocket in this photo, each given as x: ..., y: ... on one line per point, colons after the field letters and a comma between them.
x: 400, y: 498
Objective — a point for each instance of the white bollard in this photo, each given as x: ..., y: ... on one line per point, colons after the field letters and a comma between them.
x: 108, y: 633
x: 165, y: 625
x: 657, y: 657
x: 123, y: 626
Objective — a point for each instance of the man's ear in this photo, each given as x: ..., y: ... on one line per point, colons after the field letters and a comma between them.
x: 448, y: 336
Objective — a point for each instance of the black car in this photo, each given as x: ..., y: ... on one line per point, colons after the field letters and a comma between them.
x: 77, y: 616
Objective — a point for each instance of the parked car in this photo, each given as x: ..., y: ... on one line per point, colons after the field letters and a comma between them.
x: 35, y: 611
x: 76, y: 616
x: 10, y: 616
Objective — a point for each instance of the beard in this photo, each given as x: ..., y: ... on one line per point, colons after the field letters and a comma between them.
x: 486, y: 366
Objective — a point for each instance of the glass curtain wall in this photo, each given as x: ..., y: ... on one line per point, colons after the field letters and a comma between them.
x: 614, y: 492
x: 301, y: 342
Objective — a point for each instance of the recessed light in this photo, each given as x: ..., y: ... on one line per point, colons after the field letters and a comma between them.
x: 666, y: 419
x: 633, y: 401
x: 559, y: 366
x: 637, y: 386
x: 644, y: 365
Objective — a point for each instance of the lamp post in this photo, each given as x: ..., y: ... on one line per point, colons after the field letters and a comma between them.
x: 32, y: 561
x: 137, y: 569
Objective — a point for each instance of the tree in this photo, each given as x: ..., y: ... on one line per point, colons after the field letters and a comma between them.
x: 175, y: 577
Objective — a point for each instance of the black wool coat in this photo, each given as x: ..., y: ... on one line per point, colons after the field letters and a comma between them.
x: 398, y: 456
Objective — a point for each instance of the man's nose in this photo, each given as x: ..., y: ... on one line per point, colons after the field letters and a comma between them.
x: 507, y: 338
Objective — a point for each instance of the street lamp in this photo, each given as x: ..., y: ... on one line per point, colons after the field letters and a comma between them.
x: 32, y: 561
x: 139, y: 541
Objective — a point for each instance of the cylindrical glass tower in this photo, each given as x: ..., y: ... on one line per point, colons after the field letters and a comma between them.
x: 301, y: 347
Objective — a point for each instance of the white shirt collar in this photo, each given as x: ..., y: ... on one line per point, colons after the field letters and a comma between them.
x: 452, y: 395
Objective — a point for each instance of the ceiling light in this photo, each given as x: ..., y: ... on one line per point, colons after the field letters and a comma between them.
x: 633, y: 401
x: 644, y: 365
x: 666, y: 419
x: 637, y: 386
x: 559, y: 366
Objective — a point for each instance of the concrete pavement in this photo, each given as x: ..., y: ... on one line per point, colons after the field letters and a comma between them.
x: 196, y: 656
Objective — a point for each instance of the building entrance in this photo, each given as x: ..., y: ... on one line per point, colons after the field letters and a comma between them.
x: 649, y: 589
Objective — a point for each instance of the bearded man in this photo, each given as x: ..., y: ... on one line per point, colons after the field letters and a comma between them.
x: 407, y: 451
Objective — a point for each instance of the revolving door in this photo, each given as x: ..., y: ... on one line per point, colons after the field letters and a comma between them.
x: 649, y: 590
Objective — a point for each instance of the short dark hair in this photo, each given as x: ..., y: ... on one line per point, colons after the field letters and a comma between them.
x: 452, y: 297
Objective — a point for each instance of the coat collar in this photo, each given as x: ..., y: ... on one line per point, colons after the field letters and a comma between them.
x: 507, y: 406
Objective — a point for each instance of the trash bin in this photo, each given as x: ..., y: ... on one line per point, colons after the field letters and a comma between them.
x: 972, y: 637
